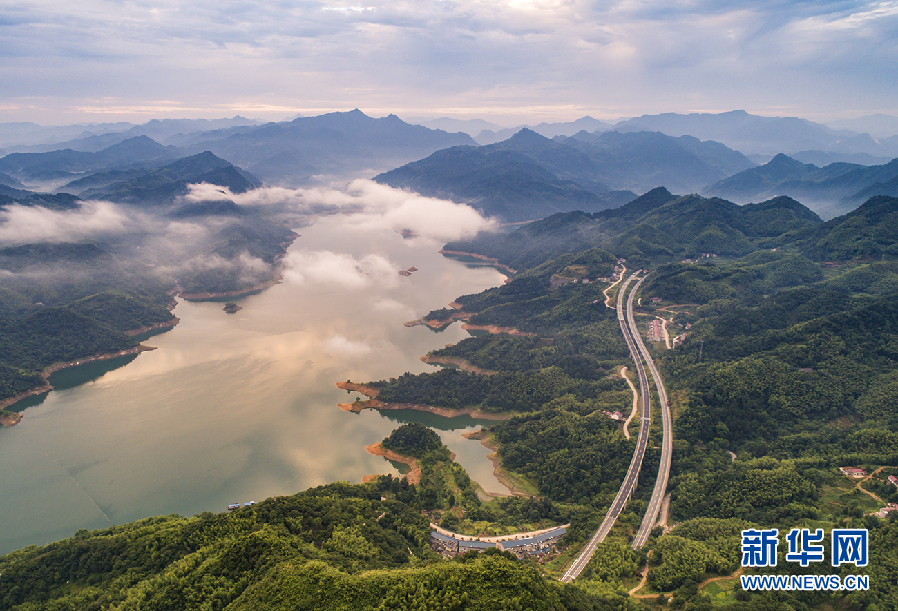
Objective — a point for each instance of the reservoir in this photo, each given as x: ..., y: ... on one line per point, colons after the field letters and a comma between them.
x: 240, y: 407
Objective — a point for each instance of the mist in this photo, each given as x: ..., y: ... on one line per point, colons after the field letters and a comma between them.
x: 367, y: 206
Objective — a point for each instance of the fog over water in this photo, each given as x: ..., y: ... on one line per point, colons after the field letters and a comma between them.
x: 239, y: 407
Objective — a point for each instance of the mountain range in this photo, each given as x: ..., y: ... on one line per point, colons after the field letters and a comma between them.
x: 145, y: 185
x: 658, y: 224
x: 867, y: 140
x: 302, y: 151
x: 529, y: 176
x: 830, y: 190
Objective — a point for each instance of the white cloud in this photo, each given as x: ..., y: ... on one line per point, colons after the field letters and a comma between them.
x: 29, y: 224
x: 543, y: 57
x: 326, y: 267
x: 372, y: 206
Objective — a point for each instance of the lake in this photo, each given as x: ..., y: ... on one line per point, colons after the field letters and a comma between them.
x: 239, y: 407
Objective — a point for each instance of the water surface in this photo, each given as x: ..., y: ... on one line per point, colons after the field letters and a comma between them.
x: 239, y: 407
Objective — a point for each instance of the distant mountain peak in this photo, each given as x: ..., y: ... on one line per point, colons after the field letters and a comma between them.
x: 783, y: 161
x: 528, y: 135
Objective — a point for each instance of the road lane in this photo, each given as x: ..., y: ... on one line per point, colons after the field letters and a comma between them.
x: 651, y: 514
x: 631, y: 479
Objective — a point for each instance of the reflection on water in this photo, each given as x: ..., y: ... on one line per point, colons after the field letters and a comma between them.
x: 88, y: 372
x: 239, y: 407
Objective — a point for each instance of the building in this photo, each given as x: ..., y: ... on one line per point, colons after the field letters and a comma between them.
x: 538, y: 545
x: 887, y: 510
x: 450, y: 546
x: 655, y: 331
x: 893, y: 480
x: 853, y: 472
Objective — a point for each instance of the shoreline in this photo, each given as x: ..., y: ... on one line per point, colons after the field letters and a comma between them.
x: 496, y: 329
x: 413, y: 476
x: 375, y: 403
x: 238, y: 293
x: 491, y: 260
x: 499, y: 472
x: 241, y: 292
x: 439, y: 324
x: 168, y: 324
x: 458, y: 362
x: 48, y: 371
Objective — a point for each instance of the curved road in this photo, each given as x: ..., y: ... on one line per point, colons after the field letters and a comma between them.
x: 630, y: 480
x: 651, y: 514
x: 637, y: 348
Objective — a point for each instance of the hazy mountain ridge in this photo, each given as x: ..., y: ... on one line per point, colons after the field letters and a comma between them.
x: 833, y: 189
x: 641, y: 161
x: 33, y: 138
x: 764, y: 135
x: 168, y: 182
x: 136, y: 151
x: 519, y: 178
x: 335, y: 144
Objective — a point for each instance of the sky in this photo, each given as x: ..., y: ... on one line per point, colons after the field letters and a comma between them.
x: 506, y: 61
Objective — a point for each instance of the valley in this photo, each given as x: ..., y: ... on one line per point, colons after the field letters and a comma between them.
x: 503, y: 391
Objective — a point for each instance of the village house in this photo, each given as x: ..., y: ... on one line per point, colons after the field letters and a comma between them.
x: 853, y: 472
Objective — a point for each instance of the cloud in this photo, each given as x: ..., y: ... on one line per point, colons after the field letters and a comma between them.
x: 248, y: 269
x: 343, y: 346
x: 30, y: 224
x: 372, y: 206
x: 543, y: 57
x: 326, y: 267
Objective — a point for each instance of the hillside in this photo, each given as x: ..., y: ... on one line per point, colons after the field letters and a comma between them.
x: 162, y: 186
x: 870, y: 232
x: 657, y: 226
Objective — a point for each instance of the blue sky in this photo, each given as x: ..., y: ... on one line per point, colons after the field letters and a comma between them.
x: 511, y: 61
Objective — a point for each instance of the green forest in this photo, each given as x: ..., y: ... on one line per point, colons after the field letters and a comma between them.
x: 783, y: 371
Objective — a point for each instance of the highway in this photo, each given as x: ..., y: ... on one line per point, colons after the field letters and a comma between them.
x: 631, y: 479
x: 651, y: 514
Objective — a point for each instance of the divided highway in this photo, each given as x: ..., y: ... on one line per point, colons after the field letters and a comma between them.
x: 651, y: 514
x: 638, y: 351
x: 631, y: 479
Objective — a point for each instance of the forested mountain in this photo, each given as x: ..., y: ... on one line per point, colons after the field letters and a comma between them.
x: 337, y: 547
x: 170, y: 181
x: 654, y: 226
x: 869, y: 232
x: 830, y: 190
